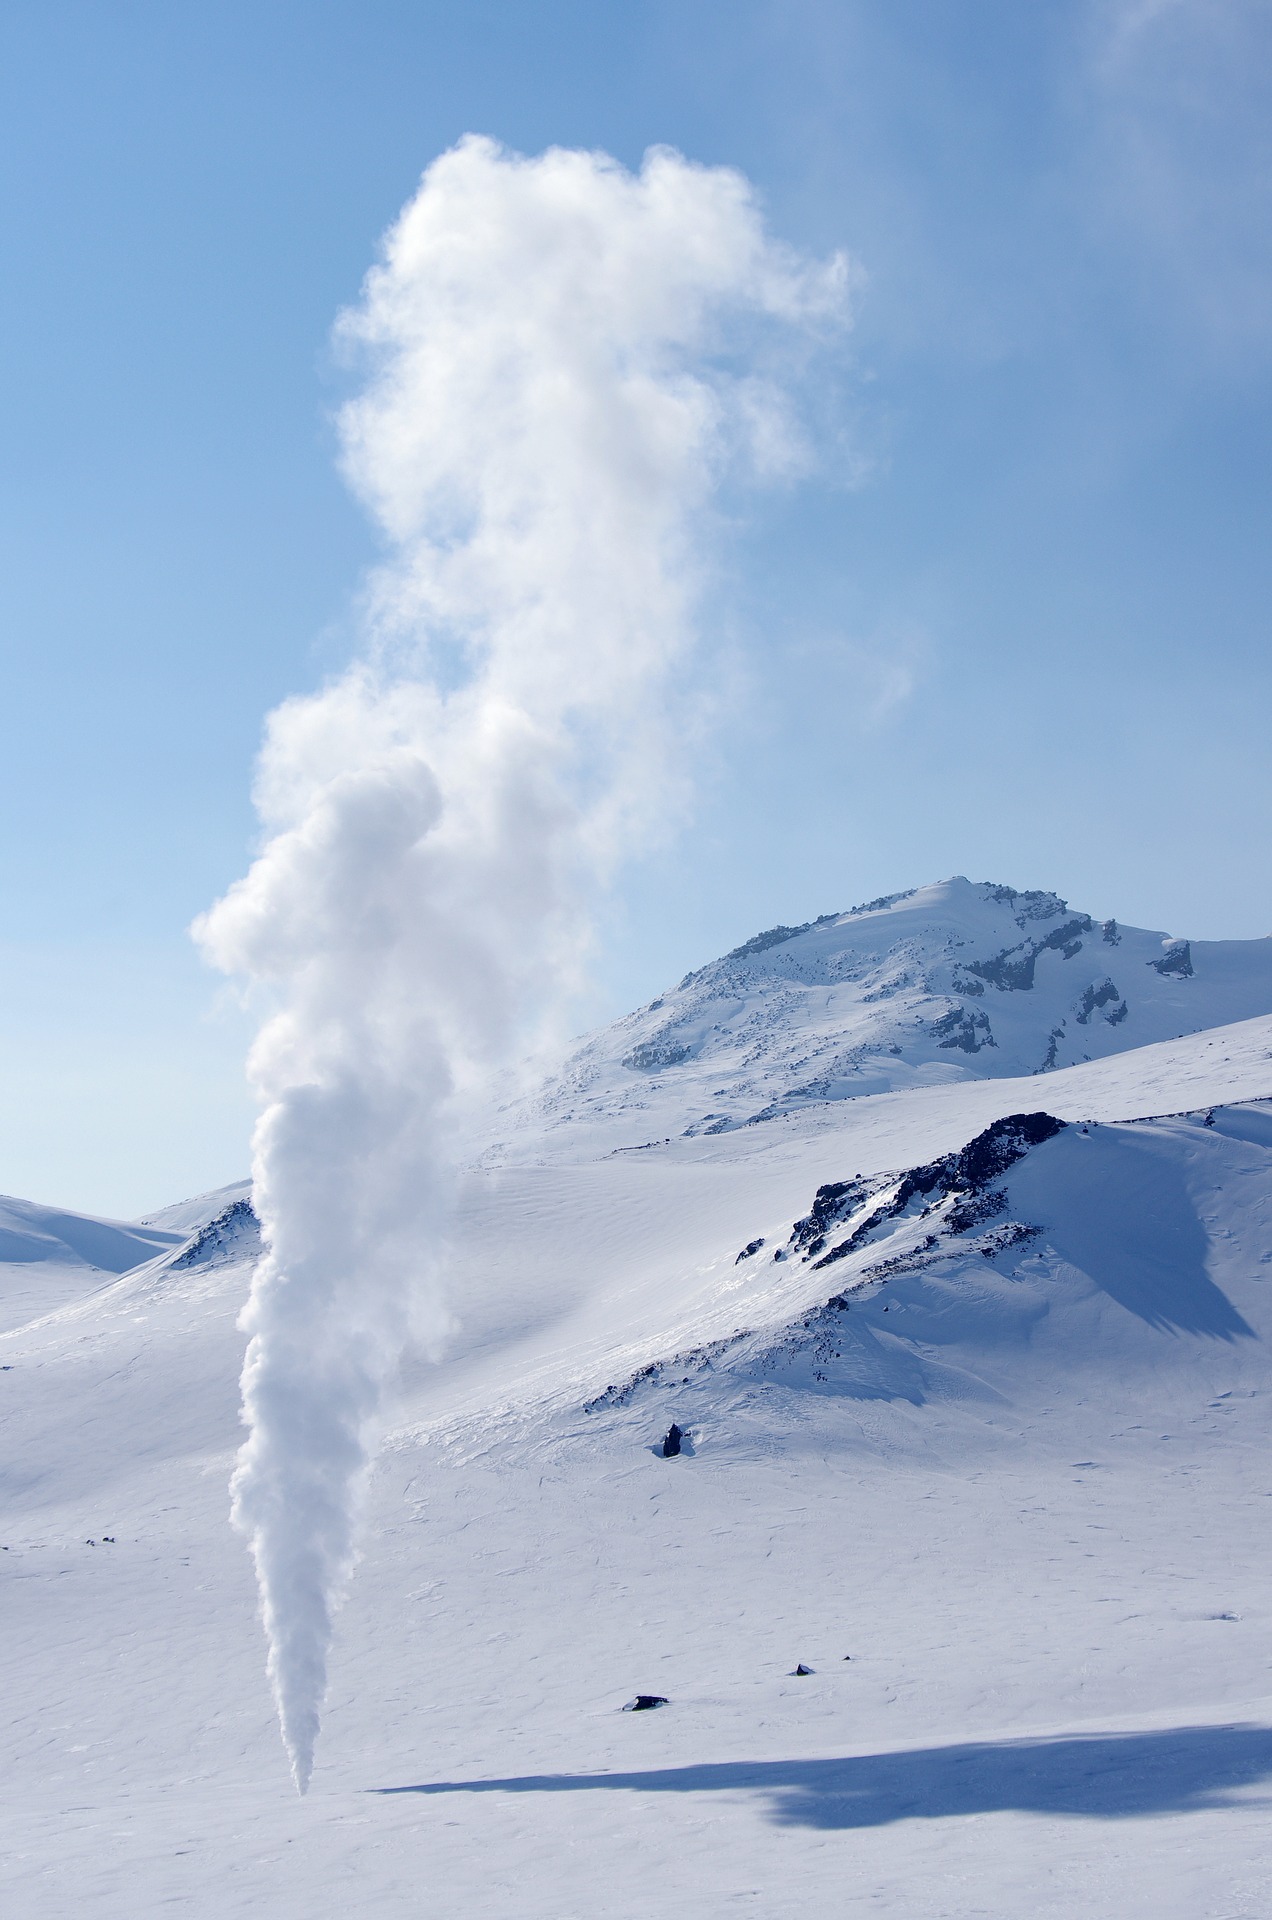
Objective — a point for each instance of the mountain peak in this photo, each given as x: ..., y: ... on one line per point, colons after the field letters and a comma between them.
x: 955, y: 980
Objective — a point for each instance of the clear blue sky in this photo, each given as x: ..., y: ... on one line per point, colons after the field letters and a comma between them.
x: 1018, y: 630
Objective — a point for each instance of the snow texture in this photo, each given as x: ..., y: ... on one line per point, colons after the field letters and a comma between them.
x: 1008, y: 1450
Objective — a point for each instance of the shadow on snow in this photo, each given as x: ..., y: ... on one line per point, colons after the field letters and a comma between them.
x: 1102, y: 1776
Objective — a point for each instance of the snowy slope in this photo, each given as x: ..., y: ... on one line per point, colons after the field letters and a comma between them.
x: 995, y: 1425
x: 187, y: 1216
x: 563, y: 1274
x: 1036, y: 1234
x: 950, y: 982
x: 49, y: 1256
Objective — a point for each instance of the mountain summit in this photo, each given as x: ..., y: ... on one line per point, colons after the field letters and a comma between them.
x: 956, y: 981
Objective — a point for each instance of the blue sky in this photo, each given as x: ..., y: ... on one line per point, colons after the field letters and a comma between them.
x: 1017, y: 627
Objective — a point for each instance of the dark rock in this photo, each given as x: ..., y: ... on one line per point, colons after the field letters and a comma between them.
x: 752, y: 1246
x: 966, y: 1176
x: 802, y: 1671
x: 1177, y: 959
x: 1012, y: 971
x: 1003, y: 1143
x: 652, y: 1055
x: 1013, y: 1233
x: 831, y: 1204
x: 644, y: 1702
x: 234, y: 1231
x: 1031, y: 905
x: 1094, y: 998
x: 960, y: 1028
x: 773, y: 937
x: 671, y: 1441
x: 884, y: 901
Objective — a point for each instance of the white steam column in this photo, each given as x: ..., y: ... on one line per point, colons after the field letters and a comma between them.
x: 556, y: 374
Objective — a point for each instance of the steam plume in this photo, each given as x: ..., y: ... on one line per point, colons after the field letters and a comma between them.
x: 548, y: 400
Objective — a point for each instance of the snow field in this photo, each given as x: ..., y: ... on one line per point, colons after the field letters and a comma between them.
x: 1029, y: 1496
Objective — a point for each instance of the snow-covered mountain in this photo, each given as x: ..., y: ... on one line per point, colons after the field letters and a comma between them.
x: 50, y: 1256
x: 956, y: 1590
x: 949, y: 982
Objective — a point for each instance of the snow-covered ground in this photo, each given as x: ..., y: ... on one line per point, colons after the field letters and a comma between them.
x: 987, y: 1449
x: 49, y: 1256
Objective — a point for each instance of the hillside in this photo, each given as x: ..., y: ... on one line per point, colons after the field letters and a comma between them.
x: 973, y: 1381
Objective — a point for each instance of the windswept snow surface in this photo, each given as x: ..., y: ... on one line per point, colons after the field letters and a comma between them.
x: 995, y: 1426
